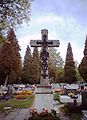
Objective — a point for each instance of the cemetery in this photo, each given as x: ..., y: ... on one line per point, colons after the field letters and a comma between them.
x: 43, y: 78
x: 45, y: 101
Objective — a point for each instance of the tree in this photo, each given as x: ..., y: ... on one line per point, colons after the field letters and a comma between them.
x: 6, y: 62
x: 14, y: 74
x: 83, y: 65
x: 55, y: 73
x: 35, y: 67
x: 55, y: 57
x: 14, y: 12
x: 59, y: 75
x: 55, y: 66
x: 2, y: 39
x: 26, y: 72
x: 78, y: 76
x: 69, y: 68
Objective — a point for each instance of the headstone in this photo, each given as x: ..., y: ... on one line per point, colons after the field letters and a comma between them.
x: 84, y: 99
x: 43, y: 92
x: 9, y: 93
x: 84, y: 117
x: 44, y: 44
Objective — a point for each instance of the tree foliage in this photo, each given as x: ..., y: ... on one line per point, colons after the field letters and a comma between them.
x: 55, y: 66
x: 83, y: 65
x: 26, y: 72
x: 2, y: 39
x: 14, y: 44
x: 6, y: 60
x: 69, y: 68
x: 55, y: 57
x: 35, y: 66
x: 14, y: 12
x: 10, y: 60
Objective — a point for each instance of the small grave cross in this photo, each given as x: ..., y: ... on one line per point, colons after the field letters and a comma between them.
x: 44, y: 44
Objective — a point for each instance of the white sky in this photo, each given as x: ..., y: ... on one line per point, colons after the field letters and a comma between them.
x: 66, y: 20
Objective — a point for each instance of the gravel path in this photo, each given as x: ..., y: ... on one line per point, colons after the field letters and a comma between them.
x: 18, y: 114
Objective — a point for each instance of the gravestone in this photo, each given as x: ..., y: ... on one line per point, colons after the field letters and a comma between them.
x: 8, y: 95
x: 43, y: 92
x: 44, y: 55
x: 84, y: 99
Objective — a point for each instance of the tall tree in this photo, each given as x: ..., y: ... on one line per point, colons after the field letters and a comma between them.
x: 2, y: 39
x: 26, y: 72
x: 7, y: 62
x: 14, y: 12
x: 35, y: 66
x: 83, y: 65
x: 69, y: 68
x: 14, y: 44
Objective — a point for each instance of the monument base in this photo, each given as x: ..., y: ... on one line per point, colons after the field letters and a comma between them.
x: 43, y: 97
x: 43, y: 89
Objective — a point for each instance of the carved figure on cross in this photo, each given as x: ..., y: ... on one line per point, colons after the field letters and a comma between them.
x: 44, y: 44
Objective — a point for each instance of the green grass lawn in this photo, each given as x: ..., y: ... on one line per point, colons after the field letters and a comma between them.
x: 15, y: 103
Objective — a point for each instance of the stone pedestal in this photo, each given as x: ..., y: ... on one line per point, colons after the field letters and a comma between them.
x: 43, y: 98
x: 43, y: 89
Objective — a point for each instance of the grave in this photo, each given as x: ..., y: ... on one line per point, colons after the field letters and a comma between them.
x: 84, y: 99
x: 8, y: 95
x: 43, y: 92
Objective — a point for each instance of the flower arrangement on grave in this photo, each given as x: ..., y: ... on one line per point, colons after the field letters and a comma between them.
x: 44, y: 115
x: 23, y: 94
x: 73, y: 95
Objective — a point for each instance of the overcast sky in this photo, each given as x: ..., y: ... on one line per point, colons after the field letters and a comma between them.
x: 66, y: 20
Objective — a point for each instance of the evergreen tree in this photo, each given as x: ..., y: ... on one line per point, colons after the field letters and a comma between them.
x: 7, y: 62
x: 18, y: 65
x: 35, y: 67
x: 69, y: 68
x: 26, y: 72
x: 2, y: 41
x: 83, y: 65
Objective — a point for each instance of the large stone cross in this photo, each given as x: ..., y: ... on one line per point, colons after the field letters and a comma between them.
x: 44, y: 44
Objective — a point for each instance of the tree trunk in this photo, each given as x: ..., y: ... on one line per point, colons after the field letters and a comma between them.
x: 6, y: 80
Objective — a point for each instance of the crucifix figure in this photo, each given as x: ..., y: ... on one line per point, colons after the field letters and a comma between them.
x: 44, y: 55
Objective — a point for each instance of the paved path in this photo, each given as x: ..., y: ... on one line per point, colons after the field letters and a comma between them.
x: 18, y: 114
x: 65, y: 99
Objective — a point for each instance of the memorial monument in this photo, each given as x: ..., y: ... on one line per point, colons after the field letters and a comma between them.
x: 44, y: 55
x: 43, y: 92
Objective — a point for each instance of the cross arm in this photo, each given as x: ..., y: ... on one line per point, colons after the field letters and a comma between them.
x: 56, y: 43
x: 33, y: 43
